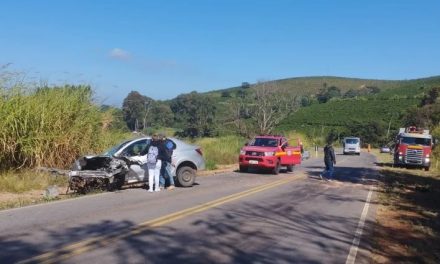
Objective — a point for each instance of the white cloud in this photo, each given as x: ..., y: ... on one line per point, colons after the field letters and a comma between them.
x: 119, y: 54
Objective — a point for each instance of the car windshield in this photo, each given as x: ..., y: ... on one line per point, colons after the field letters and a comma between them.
x: 416, y: 141
x: 115, y: 149
x: 264, y: 142
x: 351, y: 141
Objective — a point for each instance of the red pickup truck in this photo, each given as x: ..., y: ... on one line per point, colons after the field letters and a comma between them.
x: 270, y: 153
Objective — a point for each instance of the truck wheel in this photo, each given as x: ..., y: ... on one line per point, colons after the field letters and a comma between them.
x: 426, y: 168
x: 186, y: 176
x: 276, y: 170
x: 289, y: 168
x: 243, y: 169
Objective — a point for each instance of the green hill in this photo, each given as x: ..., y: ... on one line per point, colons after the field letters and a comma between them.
x: 338, y: 114
x: 312, y: 85
x: 387, y: 106
x: 356, y: 100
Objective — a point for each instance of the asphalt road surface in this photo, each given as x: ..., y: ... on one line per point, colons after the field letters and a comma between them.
x: 225, y: 218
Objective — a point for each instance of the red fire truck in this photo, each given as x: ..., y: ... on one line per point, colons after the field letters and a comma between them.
x: 413, y: 148
x: 269, y: 152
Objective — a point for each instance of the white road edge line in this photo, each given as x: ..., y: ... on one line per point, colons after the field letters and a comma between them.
x: 358, y: 234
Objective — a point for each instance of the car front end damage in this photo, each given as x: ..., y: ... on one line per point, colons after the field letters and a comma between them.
x: 97, y: 173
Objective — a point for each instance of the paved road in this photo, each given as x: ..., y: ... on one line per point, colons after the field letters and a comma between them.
x: 226, y: 218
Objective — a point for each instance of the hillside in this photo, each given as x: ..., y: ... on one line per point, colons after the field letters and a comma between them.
x: 388, y: 105
x: 312, y: 85
x: 340, y: 113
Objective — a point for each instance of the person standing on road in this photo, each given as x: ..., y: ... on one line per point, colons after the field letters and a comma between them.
x: 165, y: 172
x: 151, y: 159
x: 329, y: 161
x: 155, y: 155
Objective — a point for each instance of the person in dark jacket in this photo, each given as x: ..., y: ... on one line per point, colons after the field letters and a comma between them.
x: 166, y: 175
x: 329, y: 161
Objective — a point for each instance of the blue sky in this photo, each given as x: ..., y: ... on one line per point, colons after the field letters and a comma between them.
x: 165, y: 48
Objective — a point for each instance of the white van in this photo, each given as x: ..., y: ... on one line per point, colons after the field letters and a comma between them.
x: 351, y: 145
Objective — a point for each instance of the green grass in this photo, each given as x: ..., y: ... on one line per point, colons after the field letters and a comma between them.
x: 20, y: 202
x: 28, y: 180
x: 221, y: 150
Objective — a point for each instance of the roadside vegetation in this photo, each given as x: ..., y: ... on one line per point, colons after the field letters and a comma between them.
x: 25, y: 187
x: 221, y: 150
x: 48, y: 127
x: 408, y: 221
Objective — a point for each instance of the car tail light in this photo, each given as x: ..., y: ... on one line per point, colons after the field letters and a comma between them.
x: 199, y: 150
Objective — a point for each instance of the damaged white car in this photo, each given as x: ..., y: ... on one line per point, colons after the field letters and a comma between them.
x: 114, y: 168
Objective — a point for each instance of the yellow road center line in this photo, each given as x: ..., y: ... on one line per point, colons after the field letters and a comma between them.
x: 92, y: 243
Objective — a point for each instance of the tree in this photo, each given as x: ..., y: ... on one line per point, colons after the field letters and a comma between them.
x: 113, y: 118
x: 136, y: 108
x: 305, y: 101
x: 373, y: 89
x: 372, y: 132
x: 431, y: 97
x: 196, y: 112
x: 332, y: 136
x: 162, y: 114
x: 427, y: 114
x: 272, y: 105
x: 241, y: 93
x: 351, y: 94
x: 226, y: 94
x: 239, y: 113
x: 245, y: 85
x: 325, y: 95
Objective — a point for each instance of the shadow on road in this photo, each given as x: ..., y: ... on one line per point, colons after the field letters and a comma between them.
x: 268, y: 231
x: 272, y: 231
x: 250, y: 234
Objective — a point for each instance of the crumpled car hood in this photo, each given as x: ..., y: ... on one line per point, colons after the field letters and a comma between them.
x: 100, y: 165
x: 93, y: 163
x: 96, y: 172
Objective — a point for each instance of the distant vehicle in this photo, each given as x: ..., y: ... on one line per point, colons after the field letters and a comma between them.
x: 351, y: 145
x: 385, y: 149
x: 413, y: 148
x: 113, y: 169
x: 270, y: 153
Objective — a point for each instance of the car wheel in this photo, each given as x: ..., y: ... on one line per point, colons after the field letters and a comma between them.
x: 243, y: 169
x: 276, y: 170
x: 426, y: 168
x: 289, y: 168
x: 186, y: 176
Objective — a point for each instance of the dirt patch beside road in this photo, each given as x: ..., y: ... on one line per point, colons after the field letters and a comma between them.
x: 408, y: 220
x: 13, y: 200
